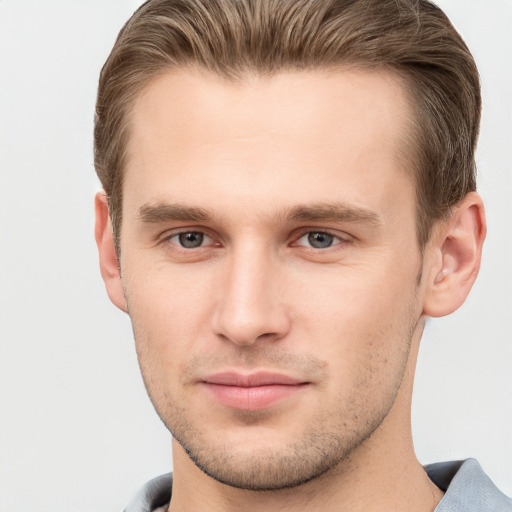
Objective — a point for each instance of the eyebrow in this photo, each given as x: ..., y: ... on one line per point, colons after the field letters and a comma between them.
x: 318, y: 212
x: 163, y: 212
x: 333, y: 212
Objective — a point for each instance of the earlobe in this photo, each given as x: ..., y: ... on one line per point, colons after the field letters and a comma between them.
x: 109, y: 263
x: 454, y: 255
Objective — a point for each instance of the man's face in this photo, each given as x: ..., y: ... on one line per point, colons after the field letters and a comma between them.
x: 270, y: 265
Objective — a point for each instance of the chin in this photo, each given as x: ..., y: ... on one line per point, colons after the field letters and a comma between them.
x: 270, y: 462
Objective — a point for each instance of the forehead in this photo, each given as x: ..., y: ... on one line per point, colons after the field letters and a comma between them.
x: 200, y: 136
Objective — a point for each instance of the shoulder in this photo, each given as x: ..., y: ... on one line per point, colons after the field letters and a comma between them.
x: 153, y: 495
x: 467, y: 488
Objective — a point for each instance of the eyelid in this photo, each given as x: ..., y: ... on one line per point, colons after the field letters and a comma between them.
x: 205, y: 240
x: 167, y: 236
x: 340, y: 237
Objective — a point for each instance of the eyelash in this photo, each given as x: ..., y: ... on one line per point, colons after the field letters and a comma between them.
x: 337, y: 240
x: 178, y: 234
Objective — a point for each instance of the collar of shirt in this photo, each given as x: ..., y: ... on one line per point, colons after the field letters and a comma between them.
x: 467, y: 489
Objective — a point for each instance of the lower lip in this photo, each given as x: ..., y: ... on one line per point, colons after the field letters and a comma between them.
x: 252, y: 398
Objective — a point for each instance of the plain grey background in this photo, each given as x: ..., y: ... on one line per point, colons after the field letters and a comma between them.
x: 77, y: 431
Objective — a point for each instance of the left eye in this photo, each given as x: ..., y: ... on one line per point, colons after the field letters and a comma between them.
x: 318, y: 240
x: 189, y: 239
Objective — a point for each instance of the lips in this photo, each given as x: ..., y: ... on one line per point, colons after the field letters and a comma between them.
x: 254, y: 391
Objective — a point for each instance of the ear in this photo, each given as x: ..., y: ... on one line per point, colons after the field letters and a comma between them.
x: 109, y: 263
x: 454, y: 254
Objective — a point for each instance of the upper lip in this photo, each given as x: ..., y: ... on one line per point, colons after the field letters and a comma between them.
x: 252, y: 379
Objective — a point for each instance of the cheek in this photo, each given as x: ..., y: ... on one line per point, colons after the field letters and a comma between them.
x: 168, y: 314
x: 167, y: 301
x: 362, y: 322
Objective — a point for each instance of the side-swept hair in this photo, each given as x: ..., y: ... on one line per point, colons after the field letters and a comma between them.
x: 412, y: 38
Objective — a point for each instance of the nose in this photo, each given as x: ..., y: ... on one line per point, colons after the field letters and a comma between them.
x: 251, y: 305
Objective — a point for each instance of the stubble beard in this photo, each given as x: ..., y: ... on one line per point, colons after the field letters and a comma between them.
x: 314, y: 454
x: 319, y: 447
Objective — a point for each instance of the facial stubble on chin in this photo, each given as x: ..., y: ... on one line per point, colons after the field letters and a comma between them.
x: 258, y: 468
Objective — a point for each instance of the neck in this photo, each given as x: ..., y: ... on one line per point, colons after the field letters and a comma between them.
x: 393, y: 481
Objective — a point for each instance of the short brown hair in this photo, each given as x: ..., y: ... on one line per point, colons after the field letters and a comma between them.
x: 412, y: 38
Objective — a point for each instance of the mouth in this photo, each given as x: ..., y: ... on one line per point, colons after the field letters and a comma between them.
x: 254, y: 391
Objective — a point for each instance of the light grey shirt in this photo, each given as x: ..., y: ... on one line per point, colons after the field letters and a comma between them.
x: 467, y: 489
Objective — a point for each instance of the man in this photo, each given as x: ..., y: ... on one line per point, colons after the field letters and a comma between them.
x: 289, y: 194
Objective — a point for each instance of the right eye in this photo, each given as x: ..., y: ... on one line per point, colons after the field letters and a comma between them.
x: 190, y: 239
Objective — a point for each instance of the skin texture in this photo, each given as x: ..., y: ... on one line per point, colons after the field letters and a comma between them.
x: 256, y: 171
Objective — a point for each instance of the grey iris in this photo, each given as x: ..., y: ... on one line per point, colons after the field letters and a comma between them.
x: 191, y: 239
x: 320, y: 240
